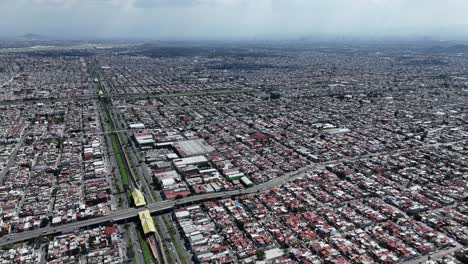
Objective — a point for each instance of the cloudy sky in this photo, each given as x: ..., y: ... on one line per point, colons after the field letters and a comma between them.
x: 232, y: 19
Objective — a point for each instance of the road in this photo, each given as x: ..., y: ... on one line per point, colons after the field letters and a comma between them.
x: 10, y: 80
x: 12, y: 157
x: 144, y: 178
x: 131, y: 165
x: 117, y: 216
x: 167, y: 205
x: 146, y: 189
x: 434, y: 256
x: 162, y: 206
x: 134, y: 96
x: 136, y: 244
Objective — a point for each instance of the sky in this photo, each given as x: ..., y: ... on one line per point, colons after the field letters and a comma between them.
x: 232, y: 19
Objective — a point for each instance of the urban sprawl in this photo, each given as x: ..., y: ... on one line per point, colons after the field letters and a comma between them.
x: 244, y: 154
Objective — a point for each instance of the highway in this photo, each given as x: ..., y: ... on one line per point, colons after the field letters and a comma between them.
x: 12, y: 157
x: 434, y: 255
x: 162, y: 206
x: 132, y: 233
x: 117, y: 216
x: 126, y: 214
x: 160, y: 238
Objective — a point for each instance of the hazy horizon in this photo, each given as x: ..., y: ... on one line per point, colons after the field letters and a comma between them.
x: 233, y: 19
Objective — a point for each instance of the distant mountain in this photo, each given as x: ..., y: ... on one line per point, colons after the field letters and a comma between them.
x: 31, y: 36
x: 459, y: 48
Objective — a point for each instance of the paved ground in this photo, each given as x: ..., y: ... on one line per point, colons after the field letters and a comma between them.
x: 434, y: 256
x: 12, y: 158
x: 136, y: 244
x: 159, y: 207
x: 162, y: 206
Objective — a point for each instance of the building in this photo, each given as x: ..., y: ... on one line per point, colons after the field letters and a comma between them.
x: 194, y: 147
x: 144, y: 138
x: 138, y: 198
x: 137, y: 126
x: 147, y: 222
x: 246, y: 181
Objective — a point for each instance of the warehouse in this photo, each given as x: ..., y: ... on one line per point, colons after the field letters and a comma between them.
x: 194, y: 147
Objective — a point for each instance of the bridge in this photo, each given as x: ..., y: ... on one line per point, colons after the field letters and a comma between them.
x: 154, y: 208
x: 158, y: 207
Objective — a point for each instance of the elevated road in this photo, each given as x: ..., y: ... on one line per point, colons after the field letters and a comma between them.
x: 158, y: 207
x: 125, y: 214
x: 117, y: 216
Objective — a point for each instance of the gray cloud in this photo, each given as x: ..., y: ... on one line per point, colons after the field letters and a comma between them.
x: 159, y: 3
x: 230, y: 18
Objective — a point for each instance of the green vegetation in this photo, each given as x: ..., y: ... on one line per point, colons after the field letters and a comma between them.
x: 167, y: 254
x: 129, y: 197
x: 172, y: 233
x: 130, y: 249
x: 260, y: 253
x: 117, y: 187
x: 462, y: 256
x: 239, y: 224
x: 120, y: 162
x: 153, y: 193
x: 132, y: 166
x: 145, y: 247
x: 119, y: 157
x: 106, y: 117
x: 166, y: 251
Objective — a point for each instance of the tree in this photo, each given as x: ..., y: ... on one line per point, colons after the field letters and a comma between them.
x: 275, y: 96
x: 157, y: 185
x: 462, y: 256
x: 239, y: 224
x: 56, y: 172
x: 260, y: 253
x: 44, y: 222
x: 417, y: 217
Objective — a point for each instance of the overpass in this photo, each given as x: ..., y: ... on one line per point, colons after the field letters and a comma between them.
x: 117, y: 216
x: 157, y: 207
x: 154, y: 208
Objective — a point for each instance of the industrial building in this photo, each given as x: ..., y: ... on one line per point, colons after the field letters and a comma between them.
x: 194, y: 147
